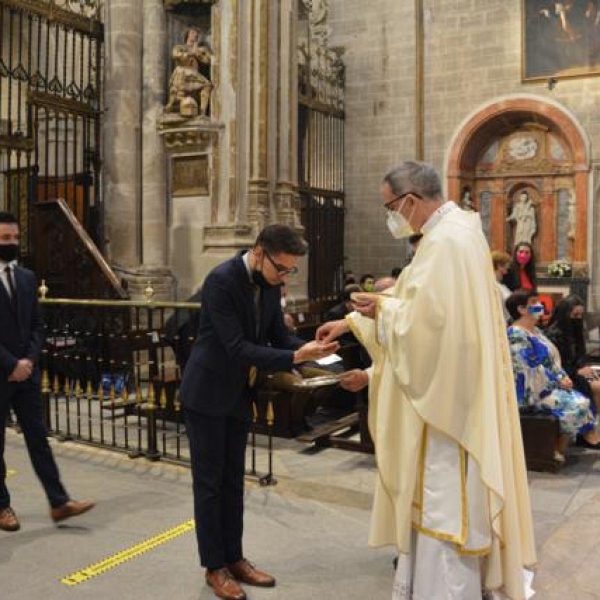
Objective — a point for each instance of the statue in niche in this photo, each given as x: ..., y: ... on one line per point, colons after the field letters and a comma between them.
x: 189, y: 89
x: 466, y: 201
x: 571, y: 218
x: 523, y: 215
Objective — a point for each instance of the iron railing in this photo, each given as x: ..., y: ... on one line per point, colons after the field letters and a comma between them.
x: 110, y: 378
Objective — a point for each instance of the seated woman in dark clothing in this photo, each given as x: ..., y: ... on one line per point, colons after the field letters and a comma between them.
x: 521, y: 271
x: 565, y: 330
x: 540, y: 381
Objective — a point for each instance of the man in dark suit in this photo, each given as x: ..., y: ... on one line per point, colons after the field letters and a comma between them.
x: 21, y: 340
x: 240, y: 330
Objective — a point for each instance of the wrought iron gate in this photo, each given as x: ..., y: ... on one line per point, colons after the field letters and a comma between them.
x: 321, y: 121
x: 51, y: 56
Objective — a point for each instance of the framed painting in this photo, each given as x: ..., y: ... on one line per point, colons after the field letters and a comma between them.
x: 560, y: 39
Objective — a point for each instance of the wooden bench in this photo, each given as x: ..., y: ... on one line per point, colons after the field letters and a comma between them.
x: 540, y: 437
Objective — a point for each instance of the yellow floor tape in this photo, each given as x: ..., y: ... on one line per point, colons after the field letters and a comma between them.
x: 125, y: 555
x: 10, y: 472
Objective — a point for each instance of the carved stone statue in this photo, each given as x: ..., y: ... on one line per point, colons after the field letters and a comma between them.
x: 189, y: 90
x: 523, y: 214
x: 571, y: 215
x: 466, y: 200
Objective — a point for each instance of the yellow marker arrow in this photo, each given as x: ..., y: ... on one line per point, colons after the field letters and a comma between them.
x: 124, y: 555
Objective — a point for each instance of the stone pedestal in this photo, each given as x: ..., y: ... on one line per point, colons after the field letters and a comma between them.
x: 192, y: 150
x: 161, y: 280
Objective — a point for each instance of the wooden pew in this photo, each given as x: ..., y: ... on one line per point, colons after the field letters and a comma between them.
x: 540, y: 436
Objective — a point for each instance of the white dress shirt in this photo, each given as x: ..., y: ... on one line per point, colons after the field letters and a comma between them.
x: 3, y: 275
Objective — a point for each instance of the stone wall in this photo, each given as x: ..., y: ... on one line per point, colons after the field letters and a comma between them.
x: 472, y: 58
x: 379, y: 42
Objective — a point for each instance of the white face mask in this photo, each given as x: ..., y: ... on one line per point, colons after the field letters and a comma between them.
x: 398, y: 225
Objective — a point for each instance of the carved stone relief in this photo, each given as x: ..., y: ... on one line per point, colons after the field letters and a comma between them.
x: 321, y: 70
x: 190, y: 176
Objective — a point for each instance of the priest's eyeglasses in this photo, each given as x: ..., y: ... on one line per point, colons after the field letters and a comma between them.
x: 390, y: 205
x: 282, y: 270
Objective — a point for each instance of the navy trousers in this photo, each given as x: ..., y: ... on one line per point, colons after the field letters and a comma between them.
x: 26, y: 402
x: 218, y: 453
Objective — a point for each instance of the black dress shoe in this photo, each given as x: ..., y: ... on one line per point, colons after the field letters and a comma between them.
x: 581, y: 441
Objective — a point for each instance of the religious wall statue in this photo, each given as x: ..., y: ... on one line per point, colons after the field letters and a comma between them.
x: 466, y: 201
x: 571, y: 215
x: 189, y: 89
x: 523, y: 215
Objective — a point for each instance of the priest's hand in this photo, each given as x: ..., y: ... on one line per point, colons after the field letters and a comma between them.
x: 331, y: 330
x: 354, y: 380
x: 365, y: 303
x: 314, y: 351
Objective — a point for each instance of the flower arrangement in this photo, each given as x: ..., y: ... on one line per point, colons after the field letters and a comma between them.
x: 560, y: 268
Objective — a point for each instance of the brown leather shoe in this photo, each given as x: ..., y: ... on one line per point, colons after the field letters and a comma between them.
x: 8, y: 520
x: 244, y: 571
x: 224, y: 585
x: 72, y: 508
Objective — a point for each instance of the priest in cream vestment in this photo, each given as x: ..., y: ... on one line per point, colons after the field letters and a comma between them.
x: 452, y: 491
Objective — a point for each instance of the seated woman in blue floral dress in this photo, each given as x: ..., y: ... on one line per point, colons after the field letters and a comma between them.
x: 539, y: 378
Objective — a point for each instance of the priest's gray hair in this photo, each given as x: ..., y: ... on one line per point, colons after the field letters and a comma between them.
x: 412, y: 176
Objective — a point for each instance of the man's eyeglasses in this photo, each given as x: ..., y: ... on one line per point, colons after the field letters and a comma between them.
x: 281, y: 269
x: 388, y: 205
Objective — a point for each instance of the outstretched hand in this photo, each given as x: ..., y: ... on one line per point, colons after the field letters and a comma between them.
x: 315, y: 350
x: 331, y: 331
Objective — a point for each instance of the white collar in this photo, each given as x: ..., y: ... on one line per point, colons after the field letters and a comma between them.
x: 438, y: 215
x: 12, y: 264
x: 246, y: 259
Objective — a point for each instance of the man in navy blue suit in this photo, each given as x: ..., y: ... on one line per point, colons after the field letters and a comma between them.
x: 21, y: 341
x: 240, y: 331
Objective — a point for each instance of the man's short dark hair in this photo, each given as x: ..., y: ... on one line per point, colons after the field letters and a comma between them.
x: 281, y: 239
x: 516, y: 299
x: 395, y: 272
x: 6, y: 217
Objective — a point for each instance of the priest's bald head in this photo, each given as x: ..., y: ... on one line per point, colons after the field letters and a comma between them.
x: 411, y: 192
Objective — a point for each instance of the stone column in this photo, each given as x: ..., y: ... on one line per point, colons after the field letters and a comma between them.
x: 287, y: 119
x: 227, y: 38
x: 154, y: 192
x: 258, y: 183
x: 122, y: 133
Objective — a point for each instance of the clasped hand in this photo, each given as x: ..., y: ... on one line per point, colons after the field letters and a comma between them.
x: 22, y: 371
x: 354, y: 380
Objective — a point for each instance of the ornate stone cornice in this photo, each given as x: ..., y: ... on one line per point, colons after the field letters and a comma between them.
x: 235, y: 235
x: 194, y: 134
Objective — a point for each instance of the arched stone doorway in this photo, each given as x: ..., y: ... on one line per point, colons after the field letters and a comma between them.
x: 525, y: 146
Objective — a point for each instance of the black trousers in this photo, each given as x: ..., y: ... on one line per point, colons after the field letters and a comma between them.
x: 218, y: 453
x: 26, y: 402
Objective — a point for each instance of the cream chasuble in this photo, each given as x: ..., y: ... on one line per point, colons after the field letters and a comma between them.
x: 441, y: 364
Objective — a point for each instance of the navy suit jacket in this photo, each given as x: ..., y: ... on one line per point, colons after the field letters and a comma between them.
x: 215, y: 380
x: 21, y: 327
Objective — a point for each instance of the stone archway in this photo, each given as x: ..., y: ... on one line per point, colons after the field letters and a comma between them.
x: 525, y: 144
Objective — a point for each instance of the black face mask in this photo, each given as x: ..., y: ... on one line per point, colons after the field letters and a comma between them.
x: 576, y: 325
x: 9, y: 252
x: 259, y: 279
